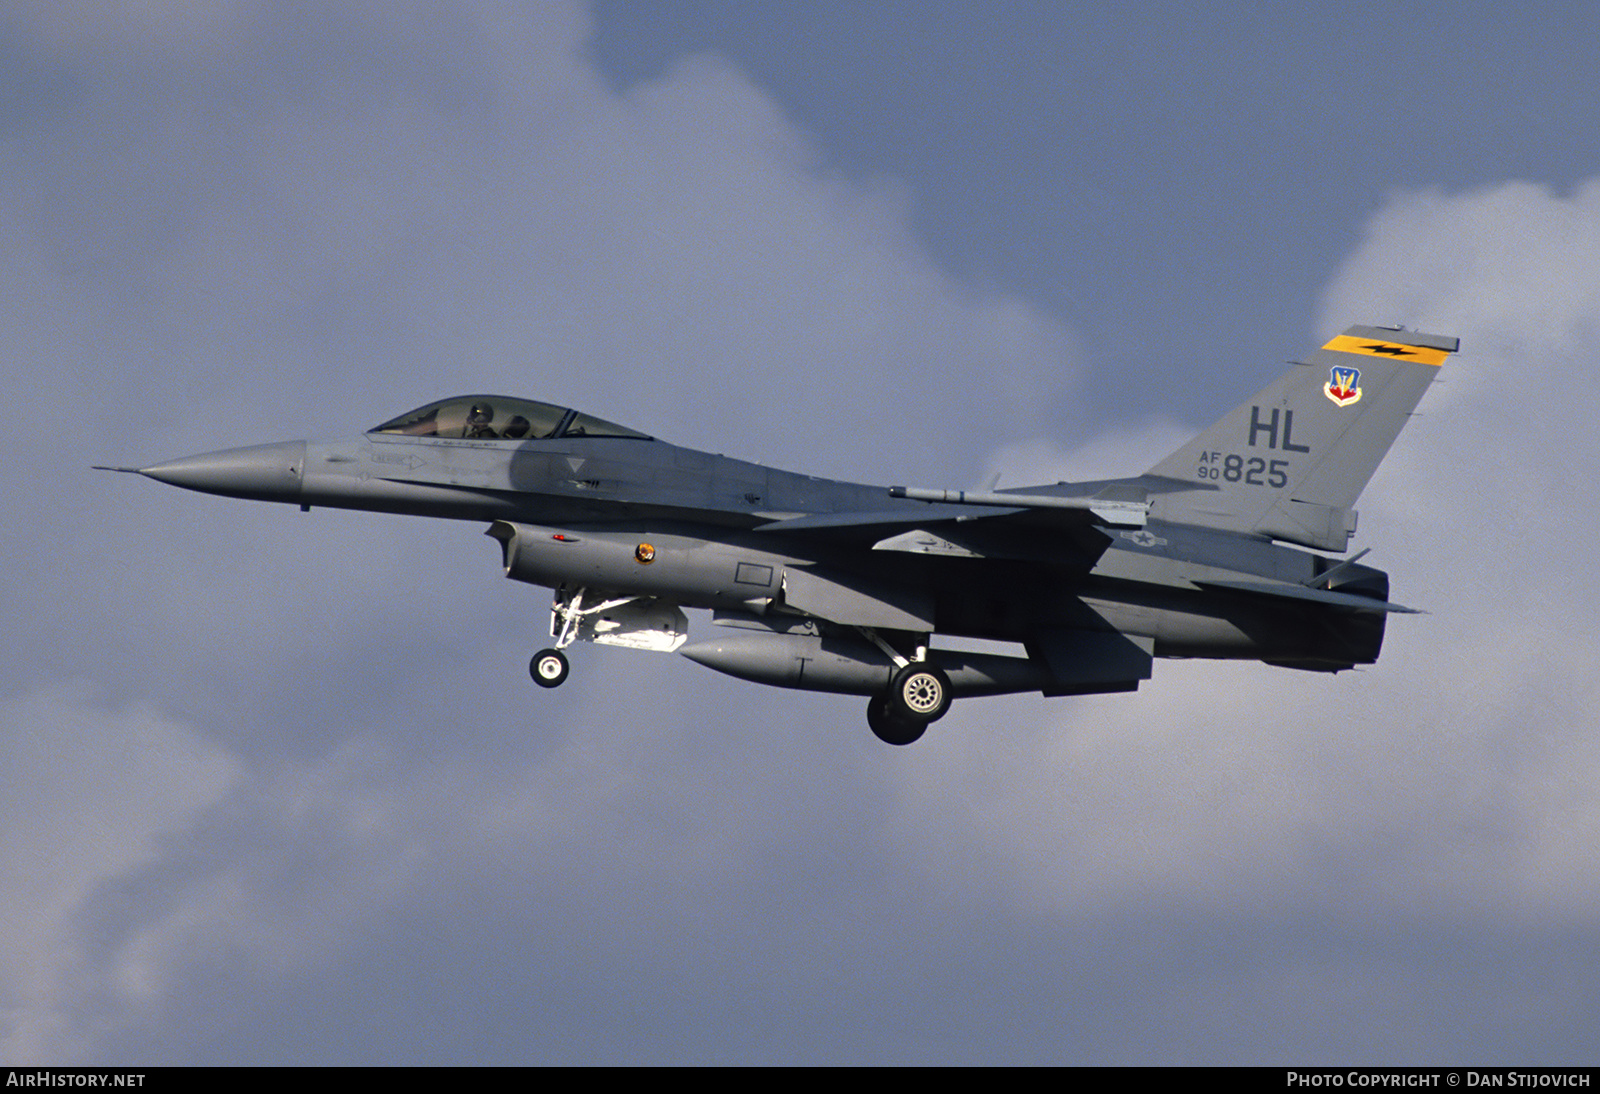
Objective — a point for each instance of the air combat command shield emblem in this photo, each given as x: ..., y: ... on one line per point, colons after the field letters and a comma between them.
x: 1343, y: 386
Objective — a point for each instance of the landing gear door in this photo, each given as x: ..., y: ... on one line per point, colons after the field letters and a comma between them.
x: 643, y: 623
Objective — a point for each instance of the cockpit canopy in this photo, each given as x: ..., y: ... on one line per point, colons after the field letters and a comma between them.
x: 500, y: 418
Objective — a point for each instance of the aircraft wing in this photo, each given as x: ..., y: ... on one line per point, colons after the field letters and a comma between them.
x: 1120, y: 506
x: 881, y: 521
x: 1042, y: 527
x: 962, y: 531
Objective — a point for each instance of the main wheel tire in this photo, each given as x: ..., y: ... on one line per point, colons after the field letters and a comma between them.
x: 920, y: 692
x: 548, y: 668
x: 888, y: 726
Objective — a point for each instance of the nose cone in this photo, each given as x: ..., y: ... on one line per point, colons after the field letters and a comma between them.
x: 266, y: 472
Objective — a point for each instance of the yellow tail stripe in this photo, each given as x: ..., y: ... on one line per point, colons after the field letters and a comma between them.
x: 1394, y: 351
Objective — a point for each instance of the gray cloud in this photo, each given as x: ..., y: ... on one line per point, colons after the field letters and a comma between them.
x: 228, y: 239
x: 336, y: 824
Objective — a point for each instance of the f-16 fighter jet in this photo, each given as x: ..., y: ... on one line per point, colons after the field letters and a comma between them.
x: 841, y: 587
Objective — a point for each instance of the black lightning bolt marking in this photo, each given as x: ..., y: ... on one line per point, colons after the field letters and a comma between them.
x: 1388, y: 351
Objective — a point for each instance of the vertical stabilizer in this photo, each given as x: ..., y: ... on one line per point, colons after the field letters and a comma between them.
x: 1291, y: 462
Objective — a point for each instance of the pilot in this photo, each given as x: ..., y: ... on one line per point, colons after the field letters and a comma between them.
x: 478, y: 420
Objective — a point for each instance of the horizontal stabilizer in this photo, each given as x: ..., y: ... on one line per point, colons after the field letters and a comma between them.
x: 1348, y: 601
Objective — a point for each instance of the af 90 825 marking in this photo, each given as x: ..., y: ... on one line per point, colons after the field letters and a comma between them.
x: 1231, y: 467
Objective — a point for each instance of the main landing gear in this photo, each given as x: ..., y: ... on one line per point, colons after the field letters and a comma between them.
x: 919, y: 694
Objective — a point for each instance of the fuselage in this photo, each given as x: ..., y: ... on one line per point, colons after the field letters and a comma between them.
x: 840, y: 586
x: 717, y: 524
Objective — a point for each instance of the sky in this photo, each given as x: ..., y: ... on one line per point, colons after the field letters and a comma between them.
x: 275, y: 786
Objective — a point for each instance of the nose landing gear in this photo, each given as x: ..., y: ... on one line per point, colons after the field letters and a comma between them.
x: 549, y: 668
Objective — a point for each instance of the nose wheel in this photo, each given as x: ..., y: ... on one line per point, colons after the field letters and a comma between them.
x: 548, y: 668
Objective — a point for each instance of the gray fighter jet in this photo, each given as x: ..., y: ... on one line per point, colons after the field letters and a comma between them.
x: 841, y: 587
